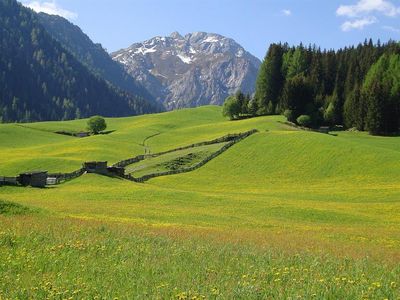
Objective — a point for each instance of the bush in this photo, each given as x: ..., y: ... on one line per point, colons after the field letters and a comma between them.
x: 96, y: 124
x: 304, y: 120
x: 231, y: 108
x: 329, y: 114
x: 289, y: 115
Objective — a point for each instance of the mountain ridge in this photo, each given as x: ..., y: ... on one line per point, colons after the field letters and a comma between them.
x: 91, y: 54
x: 197, y: 69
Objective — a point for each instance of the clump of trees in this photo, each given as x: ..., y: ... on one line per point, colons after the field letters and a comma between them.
x: 96, y: 124
x: 355, y: 87
x: 237, y: 106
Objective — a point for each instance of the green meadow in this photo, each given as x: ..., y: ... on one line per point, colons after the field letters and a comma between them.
x: 174, y: 160
x: 283, y: 214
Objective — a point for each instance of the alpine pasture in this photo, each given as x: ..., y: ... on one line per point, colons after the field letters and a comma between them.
x: 283, y: 214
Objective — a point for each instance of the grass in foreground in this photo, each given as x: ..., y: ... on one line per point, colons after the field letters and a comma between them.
x: 61, y: 258
x: 11, y: 209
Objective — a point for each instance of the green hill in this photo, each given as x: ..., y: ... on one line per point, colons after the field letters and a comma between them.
x: 319, y: 210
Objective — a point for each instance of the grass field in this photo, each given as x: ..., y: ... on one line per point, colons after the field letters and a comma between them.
x: 179, y: 159
x: 284, y: 214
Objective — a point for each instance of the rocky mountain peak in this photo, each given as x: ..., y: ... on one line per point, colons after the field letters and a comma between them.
x: 196, y: 69
x: 176, y: 35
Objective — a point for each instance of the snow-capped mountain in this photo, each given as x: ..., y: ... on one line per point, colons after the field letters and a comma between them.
x: 192, y: 70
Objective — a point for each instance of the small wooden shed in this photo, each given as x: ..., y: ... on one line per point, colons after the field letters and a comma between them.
x: 34, y: 179
x: 117, y: 171
x: 99, y: 167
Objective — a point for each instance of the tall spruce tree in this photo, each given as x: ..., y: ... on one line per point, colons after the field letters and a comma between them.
x: 353, y: 111
x: 270, y: 80
x: 297, y: 95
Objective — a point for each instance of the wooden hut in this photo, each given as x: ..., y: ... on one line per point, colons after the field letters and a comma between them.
x: 117, y: 171
x: 35, y: 179
x: 98, y: 167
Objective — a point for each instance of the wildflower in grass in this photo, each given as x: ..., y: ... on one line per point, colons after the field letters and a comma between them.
x: 376, y: 284
x: 215, y: 291
x: 182, y: 296
x: 162, y: 286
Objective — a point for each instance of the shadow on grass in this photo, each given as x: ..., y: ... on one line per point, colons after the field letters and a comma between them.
x: 83, y: 134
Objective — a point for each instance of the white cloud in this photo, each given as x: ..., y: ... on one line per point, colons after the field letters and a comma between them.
x: 392, y: 29
x: 366, y: 7
x: 51, y: 8
x: 365, y: 13
x: 287, y: 12
x: 358, y: 23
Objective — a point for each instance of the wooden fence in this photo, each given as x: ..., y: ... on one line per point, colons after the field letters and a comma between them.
x: 233, y: 139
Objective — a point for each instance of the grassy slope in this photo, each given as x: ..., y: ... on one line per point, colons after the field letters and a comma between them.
x: 280, y: 188
x: 35, y: 146
x: 157, y: 164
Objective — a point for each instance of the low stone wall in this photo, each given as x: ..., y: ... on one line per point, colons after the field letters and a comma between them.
x: 319, y: 130
x: 8, y: 180
x: 63, y: 177
x: 233, y: 140
x: 226, y: 138
x: 58, y: 178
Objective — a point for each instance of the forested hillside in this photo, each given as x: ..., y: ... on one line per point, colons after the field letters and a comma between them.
x: 356, y: 87
x: 90, y: 54
x: 41, y: 80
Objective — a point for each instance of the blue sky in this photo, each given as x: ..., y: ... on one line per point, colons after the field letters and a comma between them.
x: 254, y: 24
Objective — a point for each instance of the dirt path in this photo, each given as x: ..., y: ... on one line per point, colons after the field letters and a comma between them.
x: 147, y: 149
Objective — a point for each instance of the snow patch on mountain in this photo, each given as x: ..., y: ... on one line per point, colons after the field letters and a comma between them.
x: 211, y: 39
x: 144, y: 50
x: 185, y: 59
x: 186, y: 71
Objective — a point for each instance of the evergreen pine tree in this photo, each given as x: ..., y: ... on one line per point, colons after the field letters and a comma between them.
x: 270, y: 80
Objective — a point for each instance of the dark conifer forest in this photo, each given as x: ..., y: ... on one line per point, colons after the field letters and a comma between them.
x: 92, y: 55
x: 42, y: 80
x: 355, y: 87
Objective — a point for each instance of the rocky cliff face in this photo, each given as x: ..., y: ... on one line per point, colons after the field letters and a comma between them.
x: 192, y: 70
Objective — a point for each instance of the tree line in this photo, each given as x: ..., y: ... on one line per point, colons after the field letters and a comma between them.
x: 356, y: 87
